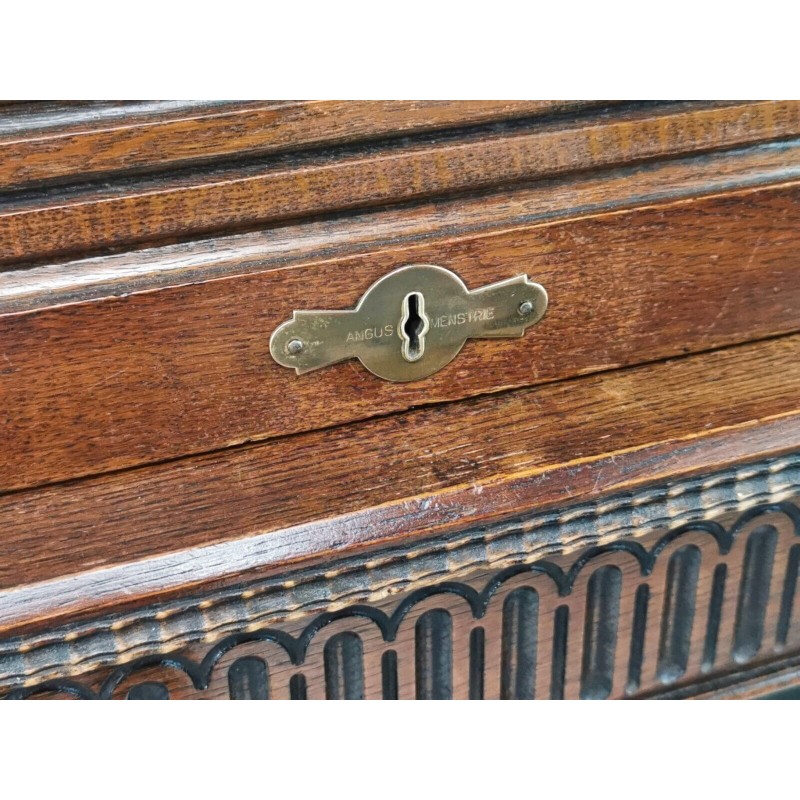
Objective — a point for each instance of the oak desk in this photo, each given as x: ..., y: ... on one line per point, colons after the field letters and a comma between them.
x: 600, y: 504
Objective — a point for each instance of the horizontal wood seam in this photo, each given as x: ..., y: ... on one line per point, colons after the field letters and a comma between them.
x: 754, y: 679
x: 497, y: 394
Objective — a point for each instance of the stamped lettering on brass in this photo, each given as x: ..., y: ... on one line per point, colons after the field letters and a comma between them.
x: 409, y: 324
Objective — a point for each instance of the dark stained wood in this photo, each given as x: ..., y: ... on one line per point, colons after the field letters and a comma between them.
x: 777, y: 676
x: 86, y: 139
x: 644, y: 615
x: 606, y: 507
x: 127, y: 213
x: 140, y: 533
x: 97, y: 386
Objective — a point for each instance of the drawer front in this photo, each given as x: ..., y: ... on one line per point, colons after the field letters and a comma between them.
x: 125, y: 380
x: 605, y: 506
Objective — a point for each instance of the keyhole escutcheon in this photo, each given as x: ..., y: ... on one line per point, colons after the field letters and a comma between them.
x: 413, y: 326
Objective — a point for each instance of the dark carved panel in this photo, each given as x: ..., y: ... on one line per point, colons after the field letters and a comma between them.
x: 620, y: 619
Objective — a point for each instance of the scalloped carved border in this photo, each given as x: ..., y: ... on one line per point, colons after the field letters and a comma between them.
x: 352, y: 586
x: 757, y: 523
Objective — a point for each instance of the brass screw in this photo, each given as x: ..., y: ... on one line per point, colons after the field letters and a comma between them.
x: 525, y: 308
x: 294, y: 347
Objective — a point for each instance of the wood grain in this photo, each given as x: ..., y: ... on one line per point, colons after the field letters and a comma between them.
x: 97, y: 386
x: 81, y: 141
x: 671, y: 609
x: 157, y: 530
x: 545, y: 201
x: 176, y: 508
x: 750, y: 682
x: 126, y: 213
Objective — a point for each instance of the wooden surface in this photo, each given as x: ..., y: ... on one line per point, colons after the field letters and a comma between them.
x: 81, y: 140
x: 775, y: 679
x: 659, y: 612
x: 583, y: 195
x: 140, y: 533
x: 110, y: 384
x: 176, y: 507
x: 54, y: 223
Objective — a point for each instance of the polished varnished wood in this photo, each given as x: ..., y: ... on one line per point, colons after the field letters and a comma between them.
x: 35, y: 226
x: 96, y: 386
x: 659, y: 608
x: 537, y: 203
x: 605, y: 507
x: 129, y: 536
x: 47, y: 142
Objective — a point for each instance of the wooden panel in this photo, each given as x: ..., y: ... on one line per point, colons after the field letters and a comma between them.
x: 570, y: 514
x: 48, y: 141
x: 546, y: 201
x: 106, y: 385
x: 124, y: 537
x: 56, y: 223
x: 671, y: 608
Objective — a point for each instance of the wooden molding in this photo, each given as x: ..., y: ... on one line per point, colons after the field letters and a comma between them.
x: 84, y: 140
x: 611, y: 190
x: 618, y: 619
x: 53, y: 223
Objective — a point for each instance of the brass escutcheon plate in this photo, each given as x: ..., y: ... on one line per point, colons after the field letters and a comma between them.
x: 409, y: 324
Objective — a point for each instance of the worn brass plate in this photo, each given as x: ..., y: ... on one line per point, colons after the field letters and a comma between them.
x: 409, y: 324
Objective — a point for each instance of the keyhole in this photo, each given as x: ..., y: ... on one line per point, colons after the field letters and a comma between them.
x: 413, y: 326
